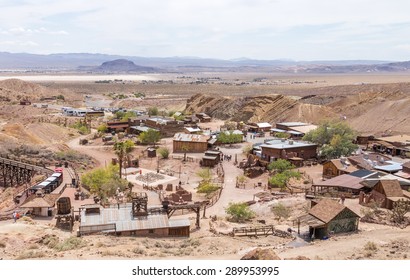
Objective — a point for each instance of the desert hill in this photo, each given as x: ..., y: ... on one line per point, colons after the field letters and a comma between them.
x: 122, y: 65
x: 14, y: 90
x: 270, y: 108
x: 370, y: 109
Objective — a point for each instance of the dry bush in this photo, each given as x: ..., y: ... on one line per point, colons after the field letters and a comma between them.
x: 370, y: 246
x: 2, y: 244
x: 30, y: 255
x: 138, y: 250
x: 70, y: 243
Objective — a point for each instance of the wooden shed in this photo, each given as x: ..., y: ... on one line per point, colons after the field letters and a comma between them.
x: 336, y: 167
x: 329, y: 217
x: 386, y: 192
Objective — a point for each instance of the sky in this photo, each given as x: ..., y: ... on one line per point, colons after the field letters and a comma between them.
x: 224, y: 29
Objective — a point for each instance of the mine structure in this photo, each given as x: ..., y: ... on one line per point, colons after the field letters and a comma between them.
x: 14, y: 173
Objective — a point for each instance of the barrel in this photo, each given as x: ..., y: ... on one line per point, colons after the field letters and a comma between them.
x: 63, y: 206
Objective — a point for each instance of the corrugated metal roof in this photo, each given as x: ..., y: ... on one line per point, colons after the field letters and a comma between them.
x: 124, y: 219
x: 277, y: 130
x: 143, y: 128
x: 290, y: 124
x: 263, y: 125
x: 285, y: 144
x: 209, y: 157
x: 174, y: 223
x: 190, y: 137
x: 305, y: 128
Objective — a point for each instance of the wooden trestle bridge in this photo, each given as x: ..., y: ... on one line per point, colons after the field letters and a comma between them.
x: 14, y: 173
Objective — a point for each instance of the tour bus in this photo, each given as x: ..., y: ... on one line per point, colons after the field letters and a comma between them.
x: 80, y: 113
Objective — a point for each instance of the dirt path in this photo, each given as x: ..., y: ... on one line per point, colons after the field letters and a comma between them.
x: 100, y: 154
x: 230, y: 193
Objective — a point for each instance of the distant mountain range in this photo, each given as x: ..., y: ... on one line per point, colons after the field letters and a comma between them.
x: 87, y: 62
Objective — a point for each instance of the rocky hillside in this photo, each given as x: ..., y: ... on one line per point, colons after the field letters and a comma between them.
x: 370, y: 110
x: 270, y: 108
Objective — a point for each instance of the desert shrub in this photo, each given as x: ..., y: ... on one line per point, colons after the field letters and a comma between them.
x: 2, y: 244
x: 153, y: 111
x: 30, y: 255
x: 81, y: 127
x: 70, y: 243
x: 138, y: 251
x: 164, y: 152
x: 50, y: 241
x: 281, y: 211
x: 370, y: 246
x: 207, y: 188
x: 239, y: 212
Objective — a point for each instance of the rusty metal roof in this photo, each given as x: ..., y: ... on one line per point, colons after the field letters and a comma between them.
x: 190, y: 137
x: 345, y: 181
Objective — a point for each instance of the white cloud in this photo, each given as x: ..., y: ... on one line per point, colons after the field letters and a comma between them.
x: 19, y: 43
x: 213, y: 27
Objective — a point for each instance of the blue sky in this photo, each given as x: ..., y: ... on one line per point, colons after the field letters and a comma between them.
x: 260, y: 29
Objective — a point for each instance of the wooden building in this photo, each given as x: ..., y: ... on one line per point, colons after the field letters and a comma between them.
x: 211, y: 158
x: 285, y: 149
x: 118, y: 126
x: 190, y: 143
x: 386, y: 192
x: 203, y: 117
x: 259, y: 127
x: 396, y: 145
x: 336, y: 167
x: 329, y: 217
x: 41, y: 204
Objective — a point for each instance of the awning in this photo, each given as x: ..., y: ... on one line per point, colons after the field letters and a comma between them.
x: 310, y: 220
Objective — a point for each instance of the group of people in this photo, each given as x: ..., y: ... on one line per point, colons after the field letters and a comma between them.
x: 227, y: 157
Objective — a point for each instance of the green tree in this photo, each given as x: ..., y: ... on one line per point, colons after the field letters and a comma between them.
x: 102, y: 128
x: 153, y: 111
x: 124, y: 116
x: 335, y: 139
x: 239, y: 212
x: 150, y: 137
x: 281, y: 179
x: 122, y: 150
x: 164, y: 152
x: 104, y: 182
x: 228, y: 137
x: 280, y: 165
x: 282, y: 135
